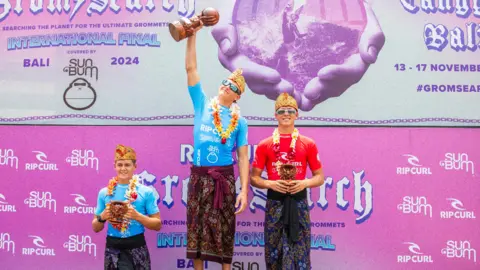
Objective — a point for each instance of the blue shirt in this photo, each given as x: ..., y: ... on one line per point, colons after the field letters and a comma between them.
x: 144, y: 204
x: 208, y: 148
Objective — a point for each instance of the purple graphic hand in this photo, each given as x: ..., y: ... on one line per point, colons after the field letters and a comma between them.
x: 260, y: 79
x: 334, y: 80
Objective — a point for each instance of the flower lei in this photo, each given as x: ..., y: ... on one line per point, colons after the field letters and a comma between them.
x: 131, y: 195
x: 217, y: 121
x: 276, y: 147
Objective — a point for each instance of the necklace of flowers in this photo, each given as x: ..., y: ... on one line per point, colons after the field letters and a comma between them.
x: 276, y: 147
x: 217, y: 121
x: 131, y: 195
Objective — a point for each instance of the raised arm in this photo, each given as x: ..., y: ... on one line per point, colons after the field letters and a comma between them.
x: 191, y: 61
x: 194, y: 86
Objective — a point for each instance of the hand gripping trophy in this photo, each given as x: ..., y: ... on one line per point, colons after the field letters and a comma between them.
x: 184, y: 27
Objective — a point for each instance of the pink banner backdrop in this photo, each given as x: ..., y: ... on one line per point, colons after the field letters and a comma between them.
x: 393, y: 198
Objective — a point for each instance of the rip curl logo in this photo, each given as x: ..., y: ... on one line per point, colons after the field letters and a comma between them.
x: 460, y: 249
x: 40, y: 248
x: 81, y: 207
x: 79, y: 199
x: 81, y: 244
x: 459, y: 213
x: 83, y: 158
x: 415, y: 256
x: 415, y: 205
x: 42, y: 199
x: 2, y: 199
x: 41, y: 156
x: 42, y: 164
x: 8, y: 158
x: 414, y: 248
x: 458, y: 162
x: 5, y: 206
x: 37, y: 241
x: 457, y: 204
x: 415, y: 167
x: 413, y: 160
x: 6, y: 243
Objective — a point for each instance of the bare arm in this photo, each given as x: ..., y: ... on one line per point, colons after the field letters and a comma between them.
x: 97, y: 226
x: 317, y: 179
x: 257, y: 180
x: 152, y: 222
x: 243, y: 165
x: 191, y: 61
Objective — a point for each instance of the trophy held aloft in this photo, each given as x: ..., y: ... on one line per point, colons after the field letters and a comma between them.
x: 184, y: 27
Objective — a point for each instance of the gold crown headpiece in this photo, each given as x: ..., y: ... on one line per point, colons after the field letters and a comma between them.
x: 285, y: 100
x: 124, y: 152
x: 238, y: 78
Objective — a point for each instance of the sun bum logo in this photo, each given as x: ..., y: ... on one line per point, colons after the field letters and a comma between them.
x: 458, y: 162
x: 245, y: 266
x: 41, y: 199
x: 83, y: 158
x: 8, y: 158
x: 415, y: 205
x: 6, y: 243
x: 242, y: 239
x: 460, y: 249
x: 81, y: 244
x: 85, y: 68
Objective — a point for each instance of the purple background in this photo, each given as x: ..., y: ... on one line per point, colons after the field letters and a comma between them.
x: 375, y: 243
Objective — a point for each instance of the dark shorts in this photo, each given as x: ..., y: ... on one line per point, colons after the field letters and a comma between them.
x: 127, y: 254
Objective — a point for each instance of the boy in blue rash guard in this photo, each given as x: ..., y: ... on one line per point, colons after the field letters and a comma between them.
x: 218, y: 128
x: 126, y: 247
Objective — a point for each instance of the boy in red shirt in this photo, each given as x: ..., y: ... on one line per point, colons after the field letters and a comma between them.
x: 287, y: 218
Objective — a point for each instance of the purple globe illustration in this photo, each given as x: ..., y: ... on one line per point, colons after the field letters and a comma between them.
x: 298, y: 38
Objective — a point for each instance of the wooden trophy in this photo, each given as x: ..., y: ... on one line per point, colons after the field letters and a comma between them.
x: 118, y: 210
x: 184, y: 27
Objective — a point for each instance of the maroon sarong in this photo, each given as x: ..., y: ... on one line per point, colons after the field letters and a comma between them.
x: 211, y: 214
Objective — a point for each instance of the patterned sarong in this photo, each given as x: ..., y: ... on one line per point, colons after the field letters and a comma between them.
x: 211, y: 214
x: 281, y: 253
x: 127, y: 254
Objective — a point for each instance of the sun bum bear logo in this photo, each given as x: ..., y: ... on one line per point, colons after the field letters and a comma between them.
x: 79, y: 95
